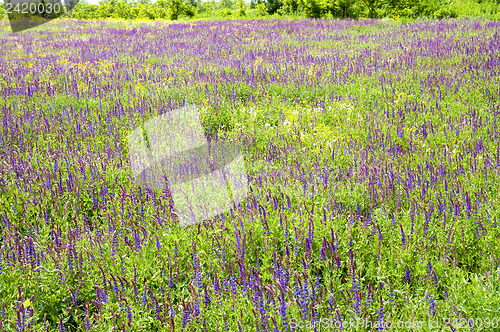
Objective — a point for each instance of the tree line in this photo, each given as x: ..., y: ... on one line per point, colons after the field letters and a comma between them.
x: 220, y: 9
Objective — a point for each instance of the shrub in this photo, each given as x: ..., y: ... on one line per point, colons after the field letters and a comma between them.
x: 175, y: 9
x: 241, y: 8
x: 226, y: 12
x: 261, y: 10
x: 445, y: 12
x: 190, y: 11
x: 3, y: 12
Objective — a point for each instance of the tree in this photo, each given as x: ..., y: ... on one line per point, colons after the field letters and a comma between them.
x: 241, y: 8
x: 371, y: 7
x: 291, y: 6
x: 346, y: 8
x: 317, y: 8
x: 122, y: 10
x: 193, y: 3
x: 273, y: 6
x: 261, y: 10
x: 190, y: 11
x: 208, y: 6
x: 3, y: 11
x: 174, y: 8
x: 226, y: 4
x: 105, y: 9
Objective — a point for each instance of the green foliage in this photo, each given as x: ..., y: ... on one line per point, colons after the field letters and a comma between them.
x: 175, y: 9
x: 190, y: 11
x: 3, y: 12
x: 279, y: 127
x: 85, y: 11
x: 273, y: 6
x: 348, y: 8
x: 226, y: 4
x: 241, y: 8
x: 445, y: 12
x: 370, y: 8
x: 114, y: 9
x: 402, y: 10
x: 207, y: 8
x: 290, y: 6
x: 261, y: 10
x: 480, y: 8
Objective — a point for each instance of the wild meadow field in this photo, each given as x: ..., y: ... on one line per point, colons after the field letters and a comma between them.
x: 373, y: 158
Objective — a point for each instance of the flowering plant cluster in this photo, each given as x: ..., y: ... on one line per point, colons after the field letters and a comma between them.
x: 373, y: 165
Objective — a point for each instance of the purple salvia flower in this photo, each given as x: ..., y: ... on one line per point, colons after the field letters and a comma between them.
x: 412, y: 218
x: 431, y: 305
x: 129, y: 316
x: 136, y: 292
x: 61, y: 325
x: 196, y: 265
x: 381, y: 323
x: 104, y: 280
x: 426, y: 225
x: 144, y: 297
x: 403, y: 237
x: 74, y: 295
x: 369, y: 298
x: 354, y: 290
x: 116, y: 288
x: 158, y: 245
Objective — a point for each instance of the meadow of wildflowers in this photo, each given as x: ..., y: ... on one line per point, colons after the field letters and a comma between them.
x: 372, y: 151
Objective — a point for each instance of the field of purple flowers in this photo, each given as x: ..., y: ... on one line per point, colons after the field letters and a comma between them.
x: 373, y: 158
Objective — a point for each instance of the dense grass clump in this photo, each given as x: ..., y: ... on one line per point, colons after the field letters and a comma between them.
x: 373, y: 160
